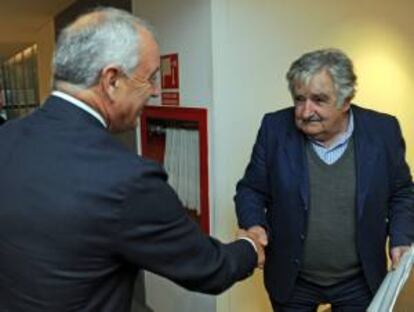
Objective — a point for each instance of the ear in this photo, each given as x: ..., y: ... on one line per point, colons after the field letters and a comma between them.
x: 110, y: 79
x: 347, y: 104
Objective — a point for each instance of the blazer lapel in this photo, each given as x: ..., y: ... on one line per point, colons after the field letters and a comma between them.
x: 294, y: 148
x: 366, y: 152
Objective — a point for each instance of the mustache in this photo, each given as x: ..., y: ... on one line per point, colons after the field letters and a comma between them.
x: 313, y: 118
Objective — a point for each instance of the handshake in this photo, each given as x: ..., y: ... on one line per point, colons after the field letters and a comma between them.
x: 259, y: 237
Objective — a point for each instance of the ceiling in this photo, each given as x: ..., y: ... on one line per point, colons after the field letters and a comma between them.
x: 21, y: 19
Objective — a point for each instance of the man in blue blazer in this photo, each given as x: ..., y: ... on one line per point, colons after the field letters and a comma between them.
x: 80, y: 215
x: 326, y: 185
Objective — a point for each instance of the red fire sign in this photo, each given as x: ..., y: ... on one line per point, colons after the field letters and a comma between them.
x: 169, y: 71
x: 170, y: 98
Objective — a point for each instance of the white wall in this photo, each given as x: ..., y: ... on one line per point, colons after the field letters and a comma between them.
x: 183, y: 27
x: 254, y: 43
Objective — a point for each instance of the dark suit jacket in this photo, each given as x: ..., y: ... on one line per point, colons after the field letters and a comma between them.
x: 274, y: 192
x: 80, y: 215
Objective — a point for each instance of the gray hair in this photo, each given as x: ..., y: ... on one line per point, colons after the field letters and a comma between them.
x: 335, y: 62
x: 82, y: 51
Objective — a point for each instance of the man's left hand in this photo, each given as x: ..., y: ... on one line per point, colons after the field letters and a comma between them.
x: 396, y: 254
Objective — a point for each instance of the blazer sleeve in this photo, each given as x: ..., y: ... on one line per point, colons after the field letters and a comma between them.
x: 401, y: 202
x: 156, y: 234
x: 252, y: 191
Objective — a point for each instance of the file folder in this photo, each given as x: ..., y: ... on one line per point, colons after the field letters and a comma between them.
x: 386, y: 296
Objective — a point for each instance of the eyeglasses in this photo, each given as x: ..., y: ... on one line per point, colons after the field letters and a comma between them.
x: 140, y: 81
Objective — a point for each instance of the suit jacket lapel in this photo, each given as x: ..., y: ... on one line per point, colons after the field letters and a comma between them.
x: 366, y: 152
x: 295, y: 153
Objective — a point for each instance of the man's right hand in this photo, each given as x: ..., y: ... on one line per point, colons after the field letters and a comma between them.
x: 258, y: 245
x: 260, y: 232
x: 260, y: 236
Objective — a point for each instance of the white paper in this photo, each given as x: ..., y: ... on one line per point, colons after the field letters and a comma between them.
x: 386, y: 296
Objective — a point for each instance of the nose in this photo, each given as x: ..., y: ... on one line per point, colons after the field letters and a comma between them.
x: 307, y: 108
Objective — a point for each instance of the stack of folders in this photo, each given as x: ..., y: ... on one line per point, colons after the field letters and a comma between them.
x: 182, y: 163
x: 386, y: 296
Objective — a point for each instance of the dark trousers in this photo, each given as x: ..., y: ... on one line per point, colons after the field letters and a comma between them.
x: 352, y: 295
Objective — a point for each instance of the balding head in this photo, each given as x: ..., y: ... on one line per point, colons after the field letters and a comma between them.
x: 91, y: 19
x: 105, y: 36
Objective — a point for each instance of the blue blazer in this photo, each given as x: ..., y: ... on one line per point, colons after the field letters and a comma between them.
x: 80, y: 215
x: 274, y: 193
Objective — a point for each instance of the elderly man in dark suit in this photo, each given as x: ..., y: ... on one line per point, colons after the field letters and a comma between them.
x: 326, y: 184
x: 80, y: 215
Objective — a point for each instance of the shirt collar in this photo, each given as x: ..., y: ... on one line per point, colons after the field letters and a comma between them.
x: 343, y: 137
x: 81, y: 105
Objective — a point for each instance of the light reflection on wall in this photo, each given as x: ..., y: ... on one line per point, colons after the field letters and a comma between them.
x: 383, y: 61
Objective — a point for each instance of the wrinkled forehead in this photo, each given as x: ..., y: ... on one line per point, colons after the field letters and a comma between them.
x: 149, y: 49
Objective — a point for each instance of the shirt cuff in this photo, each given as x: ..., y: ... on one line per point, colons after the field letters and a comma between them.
x: 250, y: 241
